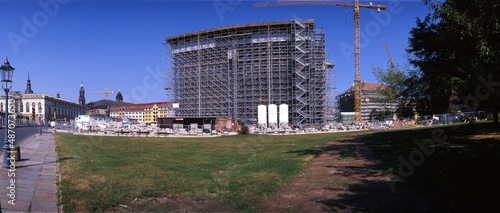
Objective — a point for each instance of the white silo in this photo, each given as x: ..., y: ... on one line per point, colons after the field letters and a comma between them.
x: 262, y: 116
x: 273, y: 115
x: 283, y: 115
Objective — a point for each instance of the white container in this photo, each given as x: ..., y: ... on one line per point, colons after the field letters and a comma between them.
x: 273, y: 114
x: 262, y: 115
x: 283, y: 115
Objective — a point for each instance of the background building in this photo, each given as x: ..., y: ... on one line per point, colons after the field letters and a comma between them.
x: 142, y: 113
x: 101, y: 108
x: 157, y: 110
x: 228, y: 72
x: 372, y: 101
x: 47, y: 108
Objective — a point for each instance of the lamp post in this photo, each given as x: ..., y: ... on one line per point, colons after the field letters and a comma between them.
x: 7, y: 71
x: 40, y: 118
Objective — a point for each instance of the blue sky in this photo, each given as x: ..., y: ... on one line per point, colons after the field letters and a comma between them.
x: 118, y: 45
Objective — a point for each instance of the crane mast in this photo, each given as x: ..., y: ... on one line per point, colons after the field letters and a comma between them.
x: 357, y: 75
x: 356, y: 5
x: 391, y: 66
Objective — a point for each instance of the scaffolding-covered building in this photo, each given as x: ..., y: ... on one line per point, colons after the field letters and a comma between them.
x: 230, y: 71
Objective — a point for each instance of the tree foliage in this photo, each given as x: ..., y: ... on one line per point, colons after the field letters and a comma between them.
x: 455, y: 50
x: 396, y: 82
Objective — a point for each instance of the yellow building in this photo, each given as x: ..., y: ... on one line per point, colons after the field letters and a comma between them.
x: 143, y: 113
x: 157, y: 110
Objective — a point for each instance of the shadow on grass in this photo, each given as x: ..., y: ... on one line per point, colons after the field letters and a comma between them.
x: 460, y: 175
x: 64, y: 158
x: 311, y: 151
x: 374, y: 196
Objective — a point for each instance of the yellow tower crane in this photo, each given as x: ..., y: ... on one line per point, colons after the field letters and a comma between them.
x: 391, y: 66
x: 356, y: 5
x: 105, y: 92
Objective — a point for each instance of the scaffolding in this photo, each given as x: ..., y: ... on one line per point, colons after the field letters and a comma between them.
x: 228, y: 72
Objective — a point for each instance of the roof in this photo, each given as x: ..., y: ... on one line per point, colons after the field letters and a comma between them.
x: 138, y: 107
x: 103, y: 104
x: 44, y: 96
x: 234, y: 28
x: 372, y: 86
x: 367, y: 86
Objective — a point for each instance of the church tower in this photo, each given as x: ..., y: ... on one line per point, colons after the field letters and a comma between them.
x: 28, y: 85
x: 119, y: 97
x: 81, y: 99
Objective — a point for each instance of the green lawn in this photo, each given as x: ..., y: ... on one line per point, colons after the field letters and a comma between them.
x: 460, y: 174
x: 98, y: 173
x: 238, y: 171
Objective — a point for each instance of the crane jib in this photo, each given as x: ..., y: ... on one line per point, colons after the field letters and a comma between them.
x: 317, y: 3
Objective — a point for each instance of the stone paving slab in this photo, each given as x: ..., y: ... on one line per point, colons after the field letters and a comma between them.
x: 35, y: 177
x: 21, y: 206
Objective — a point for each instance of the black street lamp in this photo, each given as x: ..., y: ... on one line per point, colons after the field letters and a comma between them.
x: 40, y: 118
x: 7, y: 72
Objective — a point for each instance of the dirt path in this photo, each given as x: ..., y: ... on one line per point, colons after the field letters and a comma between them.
x: 342, y: 178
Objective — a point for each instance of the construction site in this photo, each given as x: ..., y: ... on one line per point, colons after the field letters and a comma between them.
x: 229, y: 72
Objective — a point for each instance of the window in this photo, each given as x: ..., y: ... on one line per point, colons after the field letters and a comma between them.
x: 39, y: 108
x: 27, y: 107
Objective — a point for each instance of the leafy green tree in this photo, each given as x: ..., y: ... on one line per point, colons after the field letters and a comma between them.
x: 396, y: 81
x: 455, y: 49
x: 393, y: 79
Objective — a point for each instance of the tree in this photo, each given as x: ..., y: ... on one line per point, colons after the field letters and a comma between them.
x: 393, y: 80
x: 455, y: 49
x: 396, y: 82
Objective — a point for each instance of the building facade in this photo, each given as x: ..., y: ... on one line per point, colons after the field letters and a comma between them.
x: 47, y: 108
x: 228, y: 72
x: 142, y: 113
x: 158, y: 110
x: 372, y: 101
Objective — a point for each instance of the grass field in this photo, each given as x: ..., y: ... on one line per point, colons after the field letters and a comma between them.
x: 446, y: 168
x: 237, y: 171
x: 459, y: 174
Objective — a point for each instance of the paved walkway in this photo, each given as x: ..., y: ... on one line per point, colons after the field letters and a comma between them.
x: 35, y: 177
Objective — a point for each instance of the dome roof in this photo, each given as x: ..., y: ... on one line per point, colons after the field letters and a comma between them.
x: 119, y: 96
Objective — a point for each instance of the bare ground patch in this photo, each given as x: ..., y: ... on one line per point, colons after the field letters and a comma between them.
x: 171, y: 205
x: 344, y: 177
